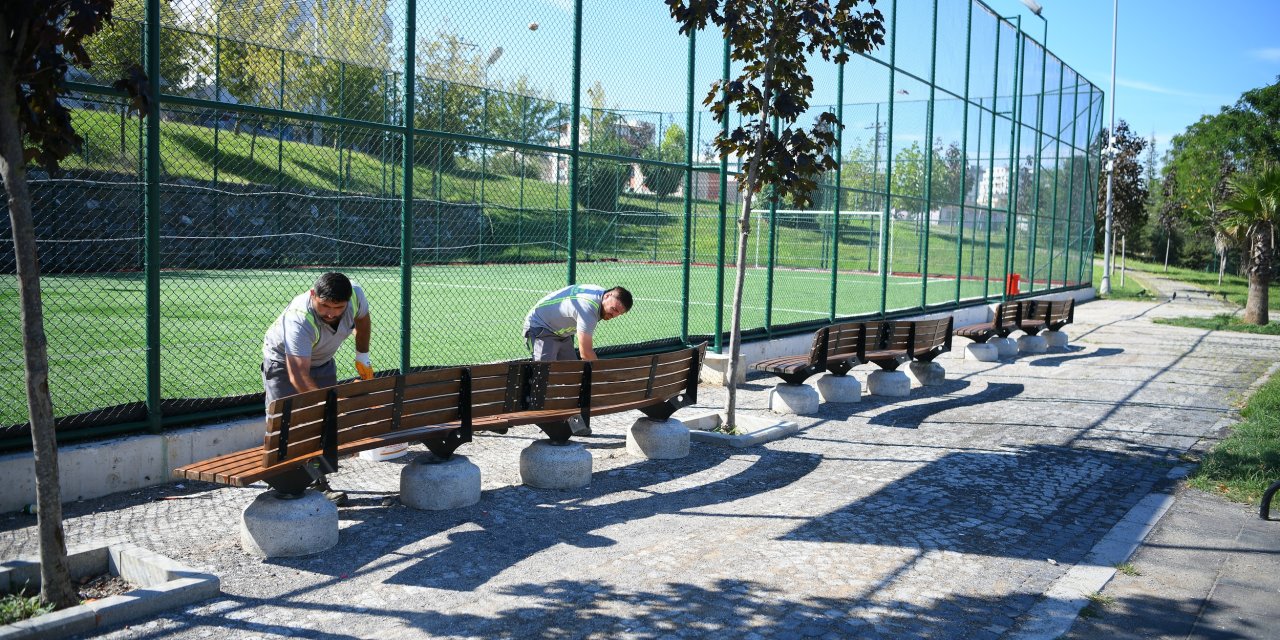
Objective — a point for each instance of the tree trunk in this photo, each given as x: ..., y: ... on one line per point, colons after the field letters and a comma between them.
x: 1255, y: 308
x: 1222, y: 266
x: 55, y: 581
x: 735, y: 322
x: 1168, y: 239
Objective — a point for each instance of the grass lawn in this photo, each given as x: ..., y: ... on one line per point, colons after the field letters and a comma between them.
x: 1242, y: 466
x: 212, y: 322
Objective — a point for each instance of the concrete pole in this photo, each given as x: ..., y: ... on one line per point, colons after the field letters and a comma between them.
x: 1107, y: 256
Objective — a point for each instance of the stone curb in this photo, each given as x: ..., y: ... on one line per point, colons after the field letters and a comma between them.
x: 700, y: 430
x: 164, y: 584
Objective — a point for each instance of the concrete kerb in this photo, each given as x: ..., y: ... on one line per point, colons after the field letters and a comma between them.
x: 751, y: 430
x: 162, y: 584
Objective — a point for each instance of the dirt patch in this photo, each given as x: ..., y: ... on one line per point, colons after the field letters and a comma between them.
x: 102, y: 586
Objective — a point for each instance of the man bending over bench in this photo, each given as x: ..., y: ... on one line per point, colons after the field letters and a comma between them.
x: 554, y: 320
x: 298, y: 350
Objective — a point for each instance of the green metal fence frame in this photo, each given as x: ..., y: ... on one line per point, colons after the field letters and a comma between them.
x: 408, y: 131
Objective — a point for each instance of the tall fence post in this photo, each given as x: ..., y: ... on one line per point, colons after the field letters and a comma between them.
x: 1015, y: 148
x: 406, y: 212
x: 928, y: 162
x: 574, y: 143
x: 991, y: 170
x: 688, y: 191
x: 964, y: 150
x: 151, y: 213
x: 1057, y: 172
x: 887, y: 219
x: 724, y: 206
x: 839, y: 191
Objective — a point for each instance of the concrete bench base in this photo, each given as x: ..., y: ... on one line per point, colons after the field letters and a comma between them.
x: 894, y: 384
x: 796, y: 399
x: 432, y: 483
x: 1055, y: 339
x: 833, y: 388
x: 274, y: 526
x: 550, y: 465
x: 983, y: 352
x: 1032, y: 344
x: 928, y: 374
x: 658, y: 439
x: 1005, y: 347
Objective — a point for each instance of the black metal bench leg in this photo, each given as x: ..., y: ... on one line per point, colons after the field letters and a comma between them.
x: 1264, y: 512
x: 292, y: 483
x: 558, y: 432
x: 444, y: 447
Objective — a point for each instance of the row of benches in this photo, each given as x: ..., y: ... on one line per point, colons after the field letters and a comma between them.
x: 837, y: 348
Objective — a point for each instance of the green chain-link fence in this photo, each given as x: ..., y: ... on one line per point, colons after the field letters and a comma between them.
x: 285, y: 141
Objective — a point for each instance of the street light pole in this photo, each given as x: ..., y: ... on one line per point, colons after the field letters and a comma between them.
x: 1105, y: 287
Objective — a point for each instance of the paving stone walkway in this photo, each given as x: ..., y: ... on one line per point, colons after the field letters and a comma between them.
x: 945, y: 515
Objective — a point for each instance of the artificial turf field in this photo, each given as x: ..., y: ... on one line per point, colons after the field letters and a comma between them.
x: 212, y: 322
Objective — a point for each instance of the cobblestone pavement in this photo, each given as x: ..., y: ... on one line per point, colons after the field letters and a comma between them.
x: 945, y: 515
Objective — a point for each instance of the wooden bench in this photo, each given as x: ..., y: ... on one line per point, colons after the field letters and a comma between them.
x: 911, y: 341
x: 307, y: 433
x: 836, y: 348
x: 561, y: 397
x: 1053, y: 314
x: 1006, y: 319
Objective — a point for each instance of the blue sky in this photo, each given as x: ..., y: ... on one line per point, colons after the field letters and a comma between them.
x: 1176, y: 60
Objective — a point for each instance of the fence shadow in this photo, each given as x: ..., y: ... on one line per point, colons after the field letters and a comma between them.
x: 912, y: 416
x: 513, y: 523
x: 1056, y: 361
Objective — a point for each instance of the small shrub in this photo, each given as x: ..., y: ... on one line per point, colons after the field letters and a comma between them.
x: 15, y: 607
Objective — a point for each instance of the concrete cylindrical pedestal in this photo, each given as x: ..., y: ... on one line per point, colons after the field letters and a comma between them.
x: 1005, y: 347
x: 928, y: 374
x: 833, y: 388
x: 276, y: 527
x: 894, y: 384
x: 658, y: 439
x: 549, y: 465
x: 983, y: 352
x: 432, y: 483
x: 795, y: 399
x: 1032, y: 344
x: 1055, y: 339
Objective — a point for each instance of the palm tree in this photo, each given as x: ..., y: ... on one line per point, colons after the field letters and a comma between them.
x: 1252, y: 215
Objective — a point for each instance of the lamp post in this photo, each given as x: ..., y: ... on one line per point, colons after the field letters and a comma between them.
x: 1110, y: 152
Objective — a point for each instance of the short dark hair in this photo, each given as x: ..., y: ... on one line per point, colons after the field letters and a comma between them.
x: 333, y: 286
x: 623, y: 296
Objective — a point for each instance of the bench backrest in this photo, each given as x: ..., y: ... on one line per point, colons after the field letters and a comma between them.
x: 844, y: 340
x: 618, y: 384
x: 1008, y: 316
x: 594, y: 388
x: 318, y: 422
x: 919, y: 338
x: 1053, y: 313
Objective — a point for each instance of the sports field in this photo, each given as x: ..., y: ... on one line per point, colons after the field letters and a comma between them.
x: 212, y: 322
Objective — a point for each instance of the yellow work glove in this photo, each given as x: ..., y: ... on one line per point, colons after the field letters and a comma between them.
x: 363, y: 366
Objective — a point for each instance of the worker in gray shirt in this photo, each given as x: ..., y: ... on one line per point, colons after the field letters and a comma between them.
x: 298, y: 350
x: 551, y: 325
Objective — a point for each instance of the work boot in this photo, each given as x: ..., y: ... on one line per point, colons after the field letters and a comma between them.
x: 338, y: 498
